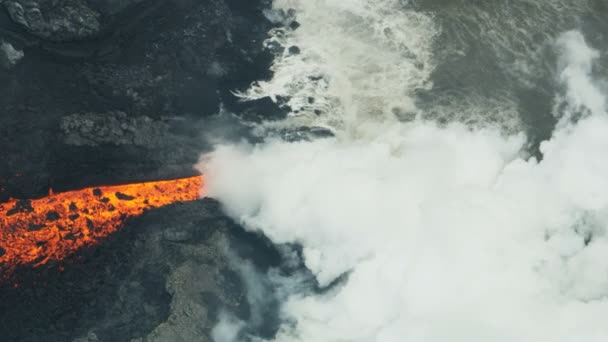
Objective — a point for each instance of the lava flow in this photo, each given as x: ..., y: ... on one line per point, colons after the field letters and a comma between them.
x: 34, y: 232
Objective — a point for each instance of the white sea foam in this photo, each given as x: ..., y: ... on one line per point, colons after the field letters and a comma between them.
x: 447, y: 234
x: 359, y: 60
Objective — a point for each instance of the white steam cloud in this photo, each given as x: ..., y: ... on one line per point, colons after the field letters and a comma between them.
x: 227, y: 329
x: 447, y: 234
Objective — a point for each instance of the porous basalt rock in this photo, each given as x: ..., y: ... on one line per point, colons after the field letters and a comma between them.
x: 198, y: 279
x: 56, y: 20
x: 114, y: 128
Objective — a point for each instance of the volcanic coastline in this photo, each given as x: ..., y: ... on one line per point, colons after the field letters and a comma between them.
x: 102, y: 93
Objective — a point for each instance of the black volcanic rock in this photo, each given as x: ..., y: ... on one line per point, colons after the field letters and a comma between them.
x: 118, y: 91
x: 114, y: 128
x: 135, y: 101
x: 165, y: 276
x: 112, y: 7
x: 55, y: 20
x: 69, y: 20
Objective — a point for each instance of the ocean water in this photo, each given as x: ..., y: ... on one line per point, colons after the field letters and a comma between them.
x: 463, y: 195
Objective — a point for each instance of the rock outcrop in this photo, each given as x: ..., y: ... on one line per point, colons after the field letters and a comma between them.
x: 113, y: 128
x: 141, y: 286
x: 175, y: 62
x: 55, y: 20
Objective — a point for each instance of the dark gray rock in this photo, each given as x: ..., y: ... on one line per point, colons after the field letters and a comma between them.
x: 113, y: 7
x: 55, y: 20
x: 116, y: 92
x: 175, y: 62
x: 113, y: 128
x: 138, y: 286
x: 294, y: 50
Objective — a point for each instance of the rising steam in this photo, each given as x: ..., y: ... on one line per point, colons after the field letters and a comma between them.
x: 447, y: 234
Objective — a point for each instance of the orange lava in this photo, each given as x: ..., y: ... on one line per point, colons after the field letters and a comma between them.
x: 34, y: 232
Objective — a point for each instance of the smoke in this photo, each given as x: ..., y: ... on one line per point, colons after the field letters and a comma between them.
x: 263, y: 290
x: 446, y: 233
x: 260, y: 302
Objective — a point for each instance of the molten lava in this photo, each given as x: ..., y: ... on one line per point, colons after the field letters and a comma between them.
x: 34, y: 232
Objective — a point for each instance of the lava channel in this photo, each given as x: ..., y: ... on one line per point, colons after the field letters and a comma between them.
x: 35, y: 232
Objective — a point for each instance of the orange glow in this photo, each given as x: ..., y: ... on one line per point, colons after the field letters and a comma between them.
x: 34, y: 232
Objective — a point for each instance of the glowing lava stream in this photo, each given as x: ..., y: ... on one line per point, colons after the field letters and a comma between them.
x: 34, y: 232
